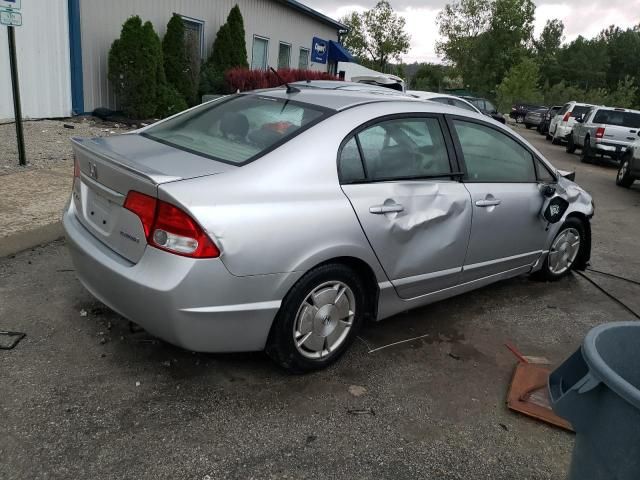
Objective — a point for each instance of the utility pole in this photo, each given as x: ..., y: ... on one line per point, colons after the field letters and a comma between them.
x: 15, y: 87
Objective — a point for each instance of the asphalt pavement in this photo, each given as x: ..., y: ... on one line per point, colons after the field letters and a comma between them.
x: 86, y: 396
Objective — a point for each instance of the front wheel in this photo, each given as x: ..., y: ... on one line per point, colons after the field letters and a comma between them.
x: 319, y: 319
x: 624, y: 177
x: 564, y: 250
x: 519, y: 118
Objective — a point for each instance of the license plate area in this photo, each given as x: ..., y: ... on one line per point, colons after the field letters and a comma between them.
x: 99, y: 211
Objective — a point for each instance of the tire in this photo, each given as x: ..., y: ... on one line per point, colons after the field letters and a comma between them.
x: 571, y: 146
x: 341, y: 300
x: 528, y: 126
x: 547, y: 136
x: 585, y: 155
x: 624, y: 177
x: 554, y: 140
x: 519, y: 118
x: 563, y: 253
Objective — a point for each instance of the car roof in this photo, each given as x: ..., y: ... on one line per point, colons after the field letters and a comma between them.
x: 343, y: 85
x: 335, y: 98
x: 422, y: 94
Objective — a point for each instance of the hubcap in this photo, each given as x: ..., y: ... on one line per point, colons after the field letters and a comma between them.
x: 623, y: 170
x: 564, y: 251
x: 324, y: 320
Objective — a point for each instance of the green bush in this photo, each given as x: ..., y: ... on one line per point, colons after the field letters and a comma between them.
x: 133, y: 68
x: 176, y: 59
x: 229, y: 50
x: 169, y: 101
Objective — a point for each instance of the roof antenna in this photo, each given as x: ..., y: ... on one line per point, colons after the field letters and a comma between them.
x: 290, y: 89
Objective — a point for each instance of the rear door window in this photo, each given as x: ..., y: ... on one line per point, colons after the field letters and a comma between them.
x: 237, y: 130
x: 464, y: 105
x: 406, y: 148
x: 579, y: 110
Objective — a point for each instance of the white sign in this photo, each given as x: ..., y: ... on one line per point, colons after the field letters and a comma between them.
x: 10, y: 18
x: 10, y: 4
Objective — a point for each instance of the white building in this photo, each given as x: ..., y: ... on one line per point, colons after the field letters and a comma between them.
x: 63, y: 45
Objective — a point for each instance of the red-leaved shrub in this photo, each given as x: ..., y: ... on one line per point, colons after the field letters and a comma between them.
x: 244, y: 79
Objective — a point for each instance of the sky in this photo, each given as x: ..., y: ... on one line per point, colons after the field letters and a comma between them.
x: 580, y: 17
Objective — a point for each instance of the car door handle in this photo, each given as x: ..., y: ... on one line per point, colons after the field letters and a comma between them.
x: 382, y: 209
x: 487, y: 203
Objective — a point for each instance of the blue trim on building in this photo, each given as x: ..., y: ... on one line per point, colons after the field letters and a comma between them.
x: 75, y: 48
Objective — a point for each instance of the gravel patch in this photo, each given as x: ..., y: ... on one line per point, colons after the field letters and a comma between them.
x: 47, y: 141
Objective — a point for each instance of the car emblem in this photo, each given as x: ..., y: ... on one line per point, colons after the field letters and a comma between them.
x: 93, y: 171
x: 326, y: 319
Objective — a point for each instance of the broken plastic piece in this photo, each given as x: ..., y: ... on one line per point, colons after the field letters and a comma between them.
x: 529, y: 395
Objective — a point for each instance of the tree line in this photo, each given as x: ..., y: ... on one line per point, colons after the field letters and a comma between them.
x: 491, y: 46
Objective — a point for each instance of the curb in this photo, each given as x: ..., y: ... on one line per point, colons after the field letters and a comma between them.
x: 31, y: 238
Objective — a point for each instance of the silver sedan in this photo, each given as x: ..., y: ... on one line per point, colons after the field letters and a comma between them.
x: 282, y: 220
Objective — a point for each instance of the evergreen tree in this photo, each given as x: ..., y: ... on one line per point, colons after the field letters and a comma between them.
x: 176, y: 59
x: 229, y: 50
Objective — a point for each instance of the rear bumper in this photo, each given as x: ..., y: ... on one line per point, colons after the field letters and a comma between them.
x: 563, y: 131
x: 611, y: 150
x: 194, y: 304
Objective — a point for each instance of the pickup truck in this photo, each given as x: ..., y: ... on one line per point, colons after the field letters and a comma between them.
x: 604, y: 131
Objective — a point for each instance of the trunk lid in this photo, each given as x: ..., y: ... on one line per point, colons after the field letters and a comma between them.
x: 110, y: 167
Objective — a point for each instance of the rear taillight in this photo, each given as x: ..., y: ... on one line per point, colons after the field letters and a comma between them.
x: 144, y: 207
x: 76, y: 168
x: 566, y: 117
x: 600, y: 132
x: 169, y: 228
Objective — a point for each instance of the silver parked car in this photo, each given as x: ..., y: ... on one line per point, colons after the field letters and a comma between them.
x: 629, y: 170
x: 283, y: 219
x: 605, y: 131
x: 562, y: 123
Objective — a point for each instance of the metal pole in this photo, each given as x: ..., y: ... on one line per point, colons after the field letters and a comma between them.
x: 15, y: 85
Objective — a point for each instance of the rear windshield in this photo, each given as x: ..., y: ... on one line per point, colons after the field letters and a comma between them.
x: 239, y: 129
x: 579, y: 110
x: 620, y: 119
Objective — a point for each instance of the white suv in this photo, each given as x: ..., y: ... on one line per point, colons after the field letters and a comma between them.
x: 562, y: 124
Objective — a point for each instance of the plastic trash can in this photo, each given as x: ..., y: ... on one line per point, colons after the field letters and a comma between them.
x: 597, y: 389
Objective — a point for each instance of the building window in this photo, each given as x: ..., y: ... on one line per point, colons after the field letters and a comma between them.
x: 284, y: 55
x: 194, y: 35
x: 259, y: 53
x: 303, y: 63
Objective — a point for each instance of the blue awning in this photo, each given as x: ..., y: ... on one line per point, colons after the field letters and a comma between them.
x: 338, y: 53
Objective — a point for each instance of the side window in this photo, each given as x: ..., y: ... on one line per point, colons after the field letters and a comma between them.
x: 492, y: 156
x: 490, y: 106
x: 404, y: 148
x: 544, y: 175
x: 350, y: 165
x: 564, y: 109
x: 442, y: 100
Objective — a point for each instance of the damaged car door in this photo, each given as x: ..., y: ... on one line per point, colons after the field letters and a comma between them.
x: 508, y: 233
x: 399, y: 176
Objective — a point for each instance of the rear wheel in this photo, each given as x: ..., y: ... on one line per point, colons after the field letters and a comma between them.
x: 571, y: 146
x: 564, y: 250
x: 586, y: 156
x: 624, y: 177
x: 319, y: 319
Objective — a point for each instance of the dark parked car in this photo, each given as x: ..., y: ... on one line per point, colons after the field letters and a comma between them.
x: 543, y: 126
x: 486, y: 107
x: 519, y: 111
x: 534, y: 116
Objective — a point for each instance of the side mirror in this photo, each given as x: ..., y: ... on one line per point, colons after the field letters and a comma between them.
x: 547, y: 190
x: 568, y: 175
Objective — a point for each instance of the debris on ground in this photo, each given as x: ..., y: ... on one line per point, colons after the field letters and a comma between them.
x: 137, y: 384
x: 357, y: 390
x: 454, y: 356
x: 83, y: 313
x: 361, y: 411
x: 9, y: 340
x: 528, y: 392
